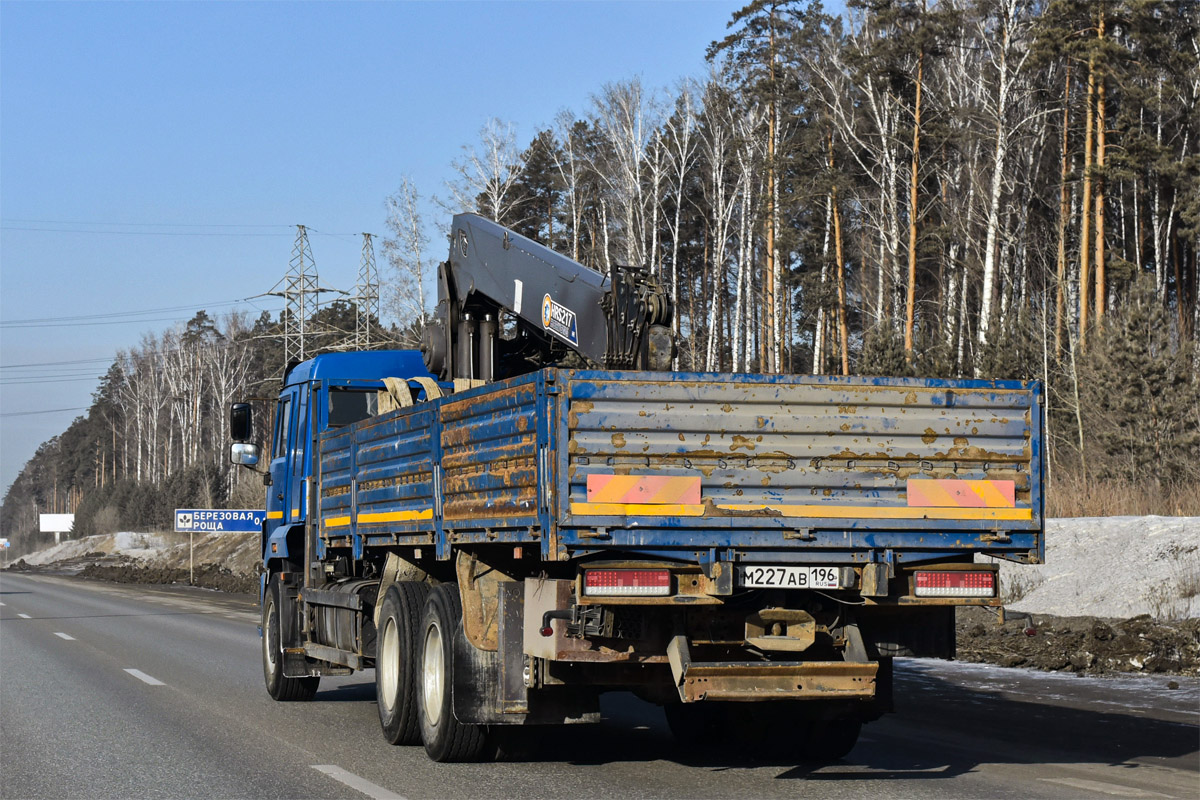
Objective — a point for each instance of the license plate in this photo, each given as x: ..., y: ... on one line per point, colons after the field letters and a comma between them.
x: 754, y: 577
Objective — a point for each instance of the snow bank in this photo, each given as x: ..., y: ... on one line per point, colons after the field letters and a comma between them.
x: 1111, y: 567
x: 134, y: 545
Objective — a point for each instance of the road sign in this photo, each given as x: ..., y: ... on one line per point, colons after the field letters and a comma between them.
x: 219, y: 520
x: 3, y: 542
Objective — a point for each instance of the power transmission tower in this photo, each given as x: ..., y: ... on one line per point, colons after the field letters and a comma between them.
x: 300, y: 289
x: 366, y: 300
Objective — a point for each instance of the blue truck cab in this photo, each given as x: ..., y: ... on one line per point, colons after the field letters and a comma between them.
x: 324, y: 393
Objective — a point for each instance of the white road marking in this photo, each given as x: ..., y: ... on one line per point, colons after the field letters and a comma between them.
x: 141, y: 676
x: 354, y: 782
x: 66, y: 636
x: 1, y: 604
x: 1104, y: 788
x: 24, y: 616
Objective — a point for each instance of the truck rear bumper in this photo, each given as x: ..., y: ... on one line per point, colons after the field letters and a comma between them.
x: 769, y: 680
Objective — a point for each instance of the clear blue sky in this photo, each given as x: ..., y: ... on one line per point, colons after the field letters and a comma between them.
x: 135, y: 136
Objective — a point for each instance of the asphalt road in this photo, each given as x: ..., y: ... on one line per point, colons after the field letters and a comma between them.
x: 120, y: 691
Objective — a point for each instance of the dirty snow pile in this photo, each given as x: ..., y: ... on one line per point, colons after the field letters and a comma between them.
x: 235, y: 552
x: 138, y: 546
x: 1111, y: 567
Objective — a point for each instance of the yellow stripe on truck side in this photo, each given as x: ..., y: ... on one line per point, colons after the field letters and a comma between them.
x: 274, y: 515
x: 645, y: 509
x: 381, y: 516
x: 809, y: 511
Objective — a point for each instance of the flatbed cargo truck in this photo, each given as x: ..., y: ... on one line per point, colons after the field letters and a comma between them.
x: 503, y: 540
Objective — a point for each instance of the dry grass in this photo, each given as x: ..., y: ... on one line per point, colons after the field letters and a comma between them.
x: 1016, y: 585
x: 1072, y: 496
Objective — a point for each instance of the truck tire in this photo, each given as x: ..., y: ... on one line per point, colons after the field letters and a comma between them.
x: 445, y: 738
x: 397, y: 666
x: 830, y: 740
x: 275, y: 615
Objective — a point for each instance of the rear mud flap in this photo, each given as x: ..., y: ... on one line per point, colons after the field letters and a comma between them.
x: 488, y: 688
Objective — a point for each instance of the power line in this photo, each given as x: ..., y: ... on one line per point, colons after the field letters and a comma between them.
x: 43, y: 364
x: 88, y: 324
x: 133, y: 233
x: 44, y: 379
x: 38, y: 321
x: 47, y: 411
x: 142, y: 224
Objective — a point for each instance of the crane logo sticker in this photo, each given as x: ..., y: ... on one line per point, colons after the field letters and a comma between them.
x: 559, y: 320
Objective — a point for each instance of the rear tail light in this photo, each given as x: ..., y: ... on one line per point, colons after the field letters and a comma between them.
x: 955, y: 584
x: 627, y: 582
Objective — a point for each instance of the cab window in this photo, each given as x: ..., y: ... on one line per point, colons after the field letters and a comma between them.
x: 281, y: 427
x: 347, y: 406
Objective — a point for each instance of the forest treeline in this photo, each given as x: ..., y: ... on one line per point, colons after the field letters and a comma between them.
x: 961, y: 188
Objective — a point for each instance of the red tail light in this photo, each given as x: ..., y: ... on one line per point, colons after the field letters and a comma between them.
x: 627, y: 582
x: 955, y: 584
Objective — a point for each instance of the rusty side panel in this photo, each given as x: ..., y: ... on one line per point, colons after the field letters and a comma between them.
x: 490, y: 457
x: 377, y: 476
x: 337, y: 471
x: 760, y: 443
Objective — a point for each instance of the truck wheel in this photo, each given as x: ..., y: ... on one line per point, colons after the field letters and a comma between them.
x: 396, y: 664
x: 445, y: 738
x: 275, y: 615
x: 829, y: 740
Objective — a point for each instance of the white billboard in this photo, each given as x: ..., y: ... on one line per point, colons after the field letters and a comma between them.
x: 56, y: 523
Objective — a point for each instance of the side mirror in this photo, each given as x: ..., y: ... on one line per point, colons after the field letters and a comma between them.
x: 241, y: 424
x: 244, y: 454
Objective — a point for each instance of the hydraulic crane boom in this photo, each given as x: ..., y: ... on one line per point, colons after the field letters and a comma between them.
x: 508, y: 305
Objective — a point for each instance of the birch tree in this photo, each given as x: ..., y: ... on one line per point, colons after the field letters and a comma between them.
x: 410, y: 270
x: 486, y: 174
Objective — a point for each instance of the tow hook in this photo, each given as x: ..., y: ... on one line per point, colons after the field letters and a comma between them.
x: 547, y: 628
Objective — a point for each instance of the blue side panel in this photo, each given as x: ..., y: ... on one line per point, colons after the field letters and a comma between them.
x: 490, y: 450
x: 394, y: 462
x: 809, y: 462
x: 377, y: 480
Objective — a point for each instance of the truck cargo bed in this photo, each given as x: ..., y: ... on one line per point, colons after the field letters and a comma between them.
x: 697, y: 466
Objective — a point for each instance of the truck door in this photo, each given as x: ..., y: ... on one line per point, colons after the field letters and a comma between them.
x: 298, y: 465
x: 278, y: 500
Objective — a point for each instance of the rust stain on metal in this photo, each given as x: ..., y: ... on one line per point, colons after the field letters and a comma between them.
x: 930, y: 436
x: 847, y: 409
x: 845, y: 428
x: 618, y: 440
x: 760, y: 421
x: 743, y: 442
x: 728, y: 409
x: 578, y: 407
x: 910, y: 399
